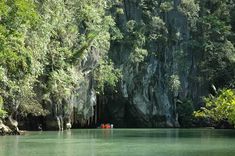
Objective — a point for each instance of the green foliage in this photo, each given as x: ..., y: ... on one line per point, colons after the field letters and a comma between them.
x: 148, y: 6
x: 215, y: 44
x: 138, y: 55
x: 2, y: 112
x: 215, y: 29
x: 158, y: 30
x: 190, y: 8
x: 137, y: 40
x: 217, y: 58
x: 25, y: 97
x: 17, y: 18
x: 174, y: 83
x: 219, y: 107
x: 62, y: 85
x: 106, y: 74
x: 42, y: 47
x: 130, y: 25
x: 166, y: 6
x: 70, y: 33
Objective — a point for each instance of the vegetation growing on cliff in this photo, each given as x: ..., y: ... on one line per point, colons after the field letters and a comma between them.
x: 44, y: 46
x: 204, y: 50
x: 217, y: 60
x: 220, y: 107
x: 50, y: 50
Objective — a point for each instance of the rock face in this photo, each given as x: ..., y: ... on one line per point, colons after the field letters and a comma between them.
x: 150, y: 89
x: 5, y: 130
x: 80, y: 109
x: 158, y: 67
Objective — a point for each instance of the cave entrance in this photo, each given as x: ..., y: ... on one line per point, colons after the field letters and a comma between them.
x: 101, y: 115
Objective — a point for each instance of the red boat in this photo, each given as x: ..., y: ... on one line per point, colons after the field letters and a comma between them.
x: 105, y: 126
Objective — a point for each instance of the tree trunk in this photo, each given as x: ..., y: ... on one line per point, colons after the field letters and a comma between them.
x: 13, y: 124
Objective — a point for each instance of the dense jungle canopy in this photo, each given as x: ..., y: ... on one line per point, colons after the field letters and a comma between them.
x: 60, y: 58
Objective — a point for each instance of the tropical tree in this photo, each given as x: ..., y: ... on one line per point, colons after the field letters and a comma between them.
x: 220, y: 107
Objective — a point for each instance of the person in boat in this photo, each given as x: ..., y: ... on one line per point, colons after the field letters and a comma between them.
x: 68, y: 125
x: 106, y: 126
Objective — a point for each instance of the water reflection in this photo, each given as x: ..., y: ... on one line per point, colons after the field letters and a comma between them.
x: 121, y: 142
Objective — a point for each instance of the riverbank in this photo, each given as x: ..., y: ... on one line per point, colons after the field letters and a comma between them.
x: 6, y: 130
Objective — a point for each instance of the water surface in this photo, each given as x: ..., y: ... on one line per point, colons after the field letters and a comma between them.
x: 121, y: 142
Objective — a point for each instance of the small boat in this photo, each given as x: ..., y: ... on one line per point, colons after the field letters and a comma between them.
x: 106, y: 126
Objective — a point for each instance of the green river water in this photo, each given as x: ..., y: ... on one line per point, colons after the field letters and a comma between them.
x: 121, y: 142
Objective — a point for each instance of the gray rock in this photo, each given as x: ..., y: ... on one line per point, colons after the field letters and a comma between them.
x: 147, y: 97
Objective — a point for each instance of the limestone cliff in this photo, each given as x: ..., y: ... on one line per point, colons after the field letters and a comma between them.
x: 150, y: 89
